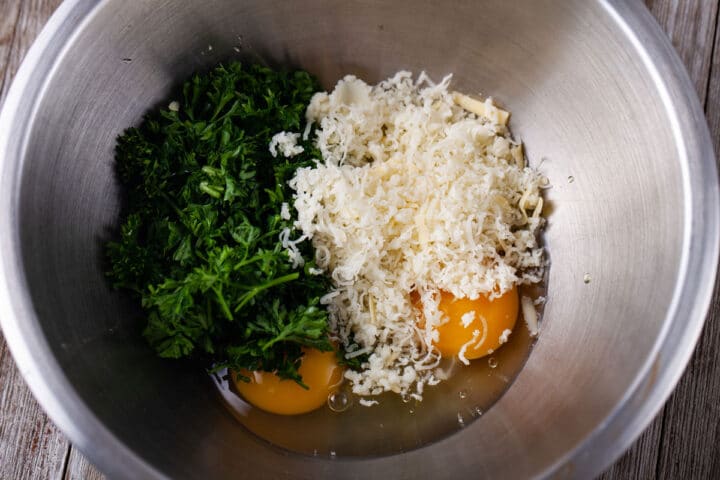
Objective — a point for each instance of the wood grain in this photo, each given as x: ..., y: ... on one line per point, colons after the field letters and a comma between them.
x: 31, y: 447
x: 10, y: 10
x: 78, y: 468
x: 682, y: 442
x: 640, y: 461
x: 690, y: 24
x: 691, y: 432
x: 690, y: 445
x: 691, y: 428
x: 712, y: 107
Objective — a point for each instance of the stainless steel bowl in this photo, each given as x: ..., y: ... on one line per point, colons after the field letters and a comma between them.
x: 596, y: 93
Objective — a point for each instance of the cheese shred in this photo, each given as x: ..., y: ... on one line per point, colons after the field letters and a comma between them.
x: 422, y: 190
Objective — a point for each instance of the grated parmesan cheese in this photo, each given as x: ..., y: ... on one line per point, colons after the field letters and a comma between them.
x: 474, y: 340
x: 529, y: 314
x: 285, y: 211
x: 467, y: 318
x: 286, y: 144
x: 418, y: 189
x: 505, y: 336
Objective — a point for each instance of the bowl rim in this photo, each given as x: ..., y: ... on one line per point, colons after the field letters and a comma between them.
x: 650, y: 389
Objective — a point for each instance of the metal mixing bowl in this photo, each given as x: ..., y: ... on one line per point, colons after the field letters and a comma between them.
x: 596, y: 93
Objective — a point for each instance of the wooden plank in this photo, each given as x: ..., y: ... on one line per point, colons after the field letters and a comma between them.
x: 691, y: 440
x: 712, y: 107
x: 690, y: 446
x: 30, y: 445
x: 640, y: 461
x: 8, y: 20
x: 78, y: 468
x: 30, y: 18
x: 690, y: 24
x: 691, y: 437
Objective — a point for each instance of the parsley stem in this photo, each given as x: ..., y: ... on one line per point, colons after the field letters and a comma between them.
x: 173, y: 205
x: 249, y: 261
x: 276, y: 281
x: 223, y: 305
x: 213, y: 191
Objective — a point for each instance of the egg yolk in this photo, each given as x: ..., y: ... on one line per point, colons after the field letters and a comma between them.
x: 265, y: 390
x: 499, y: 315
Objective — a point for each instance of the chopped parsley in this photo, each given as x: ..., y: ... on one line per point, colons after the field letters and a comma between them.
x: 199, y: 242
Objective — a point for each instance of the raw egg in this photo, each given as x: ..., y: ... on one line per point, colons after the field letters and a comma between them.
x: 490, y: 320
x: 265, y: 390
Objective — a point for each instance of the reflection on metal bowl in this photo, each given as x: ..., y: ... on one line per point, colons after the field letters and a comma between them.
x: 597, y: 96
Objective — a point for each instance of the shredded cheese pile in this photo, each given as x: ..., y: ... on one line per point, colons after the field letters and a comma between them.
x: 418, y: 190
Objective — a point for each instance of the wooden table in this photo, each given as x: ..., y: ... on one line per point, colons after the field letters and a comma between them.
x: 682, y: 443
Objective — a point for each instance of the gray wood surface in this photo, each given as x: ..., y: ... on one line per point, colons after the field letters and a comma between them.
x: 683, y: 442
x: 31, y: 447
x: 78, y: 468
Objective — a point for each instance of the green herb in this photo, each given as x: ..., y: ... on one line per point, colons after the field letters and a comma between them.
x: 199, y: 244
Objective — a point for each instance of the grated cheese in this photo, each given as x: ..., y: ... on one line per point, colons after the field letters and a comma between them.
x: 467, y: 319
x: 285, y: 211
x: 473, y: 341
x: 505, y: 336
x: 418, y: 189
x: 483, y: 109
x: 529, y: 314
x: 286, y: 144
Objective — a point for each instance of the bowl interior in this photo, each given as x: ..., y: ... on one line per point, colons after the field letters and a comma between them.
x: 583, y: 102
